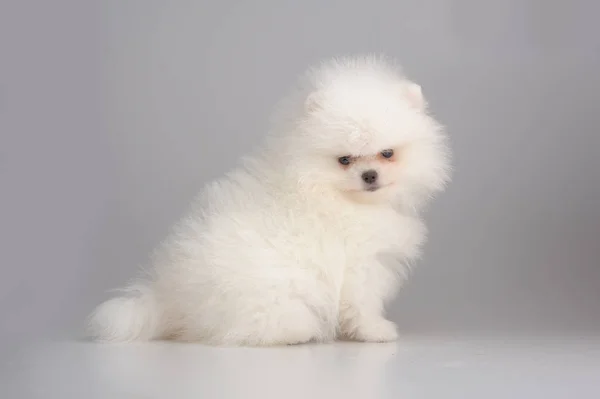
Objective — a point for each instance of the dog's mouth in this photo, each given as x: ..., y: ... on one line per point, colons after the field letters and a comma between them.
x: 372, y: 189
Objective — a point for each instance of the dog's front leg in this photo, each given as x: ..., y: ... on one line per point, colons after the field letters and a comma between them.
x: 361, y: 314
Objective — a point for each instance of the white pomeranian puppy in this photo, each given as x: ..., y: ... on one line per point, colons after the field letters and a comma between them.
x: 291, y: 245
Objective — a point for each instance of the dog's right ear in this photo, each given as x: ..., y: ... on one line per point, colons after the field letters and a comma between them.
x: 414, y: 94
x: 313, y: 102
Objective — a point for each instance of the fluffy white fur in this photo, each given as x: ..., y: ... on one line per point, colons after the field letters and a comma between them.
x: 291, y: 245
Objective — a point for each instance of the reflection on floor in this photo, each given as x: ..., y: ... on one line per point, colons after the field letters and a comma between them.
x: 462, y: 368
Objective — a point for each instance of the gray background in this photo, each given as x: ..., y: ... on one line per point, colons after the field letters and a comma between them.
x: 113, y: 114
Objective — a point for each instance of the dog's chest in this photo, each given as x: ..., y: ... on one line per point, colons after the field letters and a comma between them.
x: 370, y: 232
x: 338, y: 241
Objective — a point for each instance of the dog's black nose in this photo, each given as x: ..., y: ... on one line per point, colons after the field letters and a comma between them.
x: 370, y: 176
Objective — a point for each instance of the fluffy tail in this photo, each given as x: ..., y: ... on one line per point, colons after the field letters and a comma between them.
x: 134, y: 316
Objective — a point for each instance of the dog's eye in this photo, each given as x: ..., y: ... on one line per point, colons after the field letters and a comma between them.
x: 345, y: 160
x: 387, y: 153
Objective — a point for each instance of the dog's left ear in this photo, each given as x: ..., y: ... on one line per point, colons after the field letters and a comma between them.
x: 414, y: 94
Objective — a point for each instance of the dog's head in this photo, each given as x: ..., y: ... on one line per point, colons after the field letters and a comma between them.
x: 364, y: 131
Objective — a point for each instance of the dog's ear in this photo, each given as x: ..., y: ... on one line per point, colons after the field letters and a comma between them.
x: 313, y: 102
x: 414, y: 94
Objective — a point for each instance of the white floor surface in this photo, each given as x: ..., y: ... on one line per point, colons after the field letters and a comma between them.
x: 450, y: 367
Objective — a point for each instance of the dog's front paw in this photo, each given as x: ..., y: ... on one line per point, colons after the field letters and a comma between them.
x: 380, y: 330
